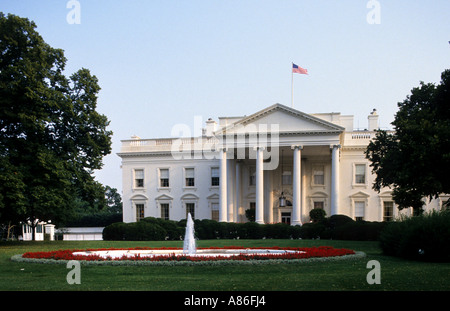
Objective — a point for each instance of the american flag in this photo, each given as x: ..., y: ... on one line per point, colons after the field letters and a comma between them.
x: 298, y: 69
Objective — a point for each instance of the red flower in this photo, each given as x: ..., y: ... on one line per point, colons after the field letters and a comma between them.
x: 309, y: 252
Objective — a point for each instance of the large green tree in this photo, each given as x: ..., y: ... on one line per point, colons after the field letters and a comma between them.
x: 414, y: 159
x: 51, y: 136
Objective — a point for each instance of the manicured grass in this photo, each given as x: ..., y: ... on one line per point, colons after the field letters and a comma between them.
x: 396, y: 274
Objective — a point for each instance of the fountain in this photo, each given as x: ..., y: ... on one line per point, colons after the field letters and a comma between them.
x: 189, y: 246
x: 189, y: 249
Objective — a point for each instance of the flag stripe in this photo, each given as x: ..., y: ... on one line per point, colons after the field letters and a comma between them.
x: 298, y: 69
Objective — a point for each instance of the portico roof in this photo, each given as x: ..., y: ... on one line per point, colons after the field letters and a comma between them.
x: 283, y: 120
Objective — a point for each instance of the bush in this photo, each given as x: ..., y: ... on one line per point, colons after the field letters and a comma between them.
x: 136, y: 231
x: 359, y: 231
x: 251, y: 230
x: 206, y: 229
x: 144, y: 231
x: 335, y: 227
x: 173, y: 231
x: 422, y: 237
x: 115, y: 232
x: 312, y: 230
x: 277, y: 231
x: 317, y: 214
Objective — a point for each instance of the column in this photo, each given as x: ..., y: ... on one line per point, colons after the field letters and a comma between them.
x: 259, y: 217
x: 230, y: 188
x: 238, y: 191
x: 296, y: 187
x: 268, y: 197
x: 335, y: 179
x: 223, y: 185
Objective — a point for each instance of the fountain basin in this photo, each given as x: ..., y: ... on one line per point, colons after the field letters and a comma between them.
x: 116, y: 254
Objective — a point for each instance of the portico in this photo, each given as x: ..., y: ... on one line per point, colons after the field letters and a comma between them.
x: 262, y: 189
x: 273, y: 160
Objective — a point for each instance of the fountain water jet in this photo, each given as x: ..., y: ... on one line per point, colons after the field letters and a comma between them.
x: 189, y: 245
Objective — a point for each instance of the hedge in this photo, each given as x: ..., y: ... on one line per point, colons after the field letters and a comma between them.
x: 424, y: 237
x: 335, y: 227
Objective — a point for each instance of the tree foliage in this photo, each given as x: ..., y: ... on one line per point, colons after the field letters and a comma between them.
x: 51, y: 136
x: 414, y: 160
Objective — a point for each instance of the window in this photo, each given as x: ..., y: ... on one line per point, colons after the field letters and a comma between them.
x: 252, y: 175
x: 388, y: 210
x: 318, y: 175
x: 164, y: 178
x: 286, y: 178
x: 39, y: 229
x: 190, y: 208
x: 215, y: 176
x: 165, y: 211
x: 138, y: 178
x: 189, y: 176
x: 360, y: 173
x: 215, y: 211
x: 359, y: 210
x: 318, y: 204
x: 139, y: 212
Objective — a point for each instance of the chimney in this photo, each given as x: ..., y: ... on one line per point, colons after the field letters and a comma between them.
x: 211, y: 127
x: 373, y: 120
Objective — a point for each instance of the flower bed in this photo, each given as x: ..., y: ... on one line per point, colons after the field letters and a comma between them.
x: 300, y: 253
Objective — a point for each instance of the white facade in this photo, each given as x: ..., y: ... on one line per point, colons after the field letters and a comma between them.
x: 82, y: 233
x: 40, y: 230
x: 312, y: 160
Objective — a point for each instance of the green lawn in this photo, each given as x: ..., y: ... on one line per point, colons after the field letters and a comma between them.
x: 396, y: 274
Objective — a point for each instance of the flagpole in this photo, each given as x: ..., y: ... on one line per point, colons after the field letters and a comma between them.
x: 292, y: 86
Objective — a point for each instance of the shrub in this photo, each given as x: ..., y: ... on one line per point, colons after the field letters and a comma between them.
x: 114, y: 232
x: 422, y: 237
x: 206, y: 229
x: 229, y: 230
x: 277, y: 231
x: 136, y: 231
x: 250, y: 214
x: 252, y: 230
x: 295, y: 232
x: 173, y: 231
x: 317, y: 214
x: 334, y: 227
x: 312, y: 230
x: 359, y: 231
x: 144, y: 231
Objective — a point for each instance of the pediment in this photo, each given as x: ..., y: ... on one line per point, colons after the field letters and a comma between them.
x: 281, y: 119
x: 163, y: 197
x: 360, y: 194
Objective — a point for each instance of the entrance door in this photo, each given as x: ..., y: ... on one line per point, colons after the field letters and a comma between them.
x: 286, y: 218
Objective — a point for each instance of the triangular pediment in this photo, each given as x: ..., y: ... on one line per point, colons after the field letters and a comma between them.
x: 360, y: 194
x: 163, y: 197
x: 282, y: 119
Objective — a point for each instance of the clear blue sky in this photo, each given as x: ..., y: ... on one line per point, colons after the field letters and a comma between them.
x: 161, y: 63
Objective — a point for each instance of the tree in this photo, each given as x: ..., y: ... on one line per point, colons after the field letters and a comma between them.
x: 250, y: 214
x: 51, y: 136
x: 113, y: 200
x: 317, y: 214
x: 414, y: 160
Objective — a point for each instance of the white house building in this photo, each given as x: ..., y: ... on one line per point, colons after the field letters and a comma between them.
x: 279, y: 161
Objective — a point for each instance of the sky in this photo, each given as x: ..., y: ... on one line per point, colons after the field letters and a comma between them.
x: 165, y: 62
